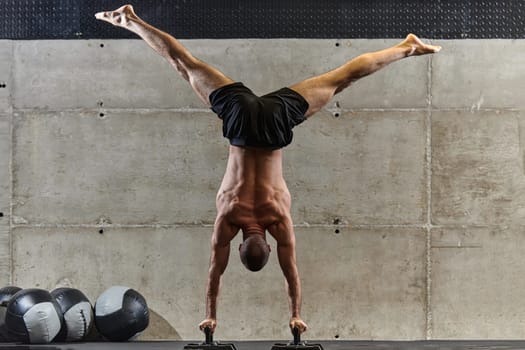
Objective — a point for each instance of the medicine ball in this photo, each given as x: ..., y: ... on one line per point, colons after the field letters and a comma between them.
x: 121, y: 313
x: 33, y: 316
x: 6, y: 294
x: 77, y: 312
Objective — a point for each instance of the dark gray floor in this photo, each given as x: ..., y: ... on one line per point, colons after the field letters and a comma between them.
x: 267, y: 345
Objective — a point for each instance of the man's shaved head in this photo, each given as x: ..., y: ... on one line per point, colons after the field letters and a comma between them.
x: 254, y: 252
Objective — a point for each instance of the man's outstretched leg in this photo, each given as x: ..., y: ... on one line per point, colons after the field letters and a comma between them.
x: 319, y: 90
x: 203, y: 78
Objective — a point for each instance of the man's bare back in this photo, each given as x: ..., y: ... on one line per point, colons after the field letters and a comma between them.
x: 253, y: 195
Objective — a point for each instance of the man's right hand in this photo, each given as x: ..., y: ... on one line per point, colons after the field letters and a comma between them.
x: 210, y: 323
x: 296, y: 322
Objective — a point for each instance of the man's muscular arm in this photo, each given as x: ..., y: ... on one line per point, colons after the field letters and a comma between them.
x: 220, y: 253
x: 287, y: 261
x: 218, y: 263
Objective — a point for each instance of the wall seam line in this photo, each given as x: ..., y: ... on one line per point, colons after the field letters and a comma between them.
x: 11, y: 163
x: 428, y: 306
x: 201, y: 110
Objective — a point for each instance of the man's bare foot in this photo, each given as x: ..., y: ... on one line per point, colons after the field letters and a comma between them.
x: 416, y: 47
x: 121, y: 17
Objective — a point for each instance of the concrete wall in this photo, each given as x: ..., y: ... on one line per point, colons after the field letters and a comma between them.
x: 408, y: 189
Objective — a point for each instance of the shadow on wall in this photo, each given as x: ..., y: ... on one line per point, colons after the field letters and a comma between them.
x: 158, y: 329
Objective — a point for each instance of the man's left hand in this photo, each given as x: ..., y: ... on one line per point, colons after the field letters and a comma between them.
x: 296, y: 322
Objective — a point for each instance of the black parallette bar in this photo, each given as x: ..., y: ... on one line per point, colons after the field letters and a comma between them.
x: 222, y: 19
x: 209, y: 335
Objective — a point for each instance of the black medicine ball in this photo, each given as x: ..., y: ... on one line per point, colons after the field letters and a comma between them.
x: 77, y: 312
x: 6, y: 294
x: 33, y: 316
x: 121, y: 313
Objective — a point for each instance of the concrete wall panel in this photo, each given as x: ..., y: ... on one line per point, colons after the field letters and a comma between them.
x: 83, y: 74
x: 479, y: 74
x: 269, y: 64
x: 127, y: 74
x: 363, y: 167
x: 363, y: 283
x: 168, y: 266
x: 6, y: 82
x: 478, y: 167
x: 367, y: 180
x: 124, y: 168
x: 477, y: 289
x: 356, y: 284
x: 5, y: 197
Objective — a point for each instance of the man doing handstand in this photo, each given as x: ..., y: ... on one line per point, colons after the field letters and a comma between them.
x: 253, y: 197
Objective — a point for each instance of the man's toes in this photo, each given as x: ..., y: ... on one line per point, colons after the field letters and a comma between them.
x: 101, y: 15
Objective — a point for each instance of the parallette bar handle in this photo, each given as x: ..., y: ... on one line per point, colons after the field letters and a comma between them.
x: 209, y: 335
x: 296, y: 336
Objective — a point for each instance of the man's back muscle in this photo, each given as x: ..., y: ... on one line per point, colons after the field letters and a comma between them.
x: 253, y: 191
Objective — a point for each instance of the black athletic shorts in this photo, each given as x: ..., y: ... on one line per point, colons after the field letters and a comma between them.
x: 265, y: 121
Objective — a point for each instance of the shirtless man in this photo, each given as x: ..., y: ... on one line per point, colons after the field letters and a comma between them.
x: 253, y: 197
